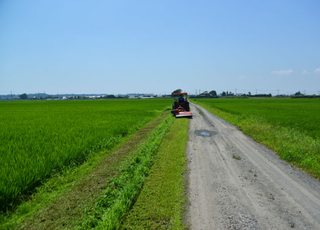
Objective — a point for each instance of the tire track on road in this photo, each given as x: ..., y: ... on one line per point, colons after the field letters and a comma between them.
x: 260, y: 191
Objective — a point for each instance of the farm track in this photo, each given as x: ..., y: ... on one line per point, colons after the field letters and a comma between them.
x: 236, y: 183
x: 67, y: 211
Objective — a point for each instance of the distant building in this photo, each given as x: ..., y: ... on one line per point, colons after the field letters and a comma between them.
x: 133, y: 97
x: 146, y: 97
x: 204, y: 94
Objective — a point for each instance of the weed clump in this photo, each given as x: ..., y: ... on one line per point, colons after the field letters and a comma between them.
x: 236, y: 157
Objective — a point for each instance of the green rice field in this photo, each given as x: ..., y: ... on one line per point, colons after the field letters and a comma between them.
x: 301, y: 114
x: 291, y: 127
x: 40, y: 138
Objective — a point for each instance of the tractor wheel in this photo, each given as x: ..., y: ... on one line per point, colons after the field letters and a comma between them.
x: 174, y: 105
x: 187, y: 108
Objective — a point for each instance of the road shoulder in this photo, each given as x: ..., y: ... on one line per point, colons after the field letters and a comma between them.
x: 161, y: 201
x: 237, y: 183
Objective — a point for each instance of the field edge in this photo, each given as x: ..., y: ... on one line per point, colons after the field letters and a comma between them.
x: 295, y: 147
x: 63, y: 183
x: 161, y: 203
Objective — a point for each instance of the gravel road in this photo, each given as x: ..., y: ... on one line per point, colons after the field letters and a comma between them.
x: 236, y: 183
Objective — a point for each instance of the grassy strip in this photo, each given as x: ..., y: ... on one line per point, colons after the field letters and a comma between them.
x: 59, y: 203
x: 161, y: 202
x: 122, y: 192
x: 291, y: 145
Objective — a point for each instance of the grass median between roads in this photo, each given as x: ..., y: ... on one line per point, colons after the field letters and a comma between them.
x: 292, y: 145
x: 161, y: 202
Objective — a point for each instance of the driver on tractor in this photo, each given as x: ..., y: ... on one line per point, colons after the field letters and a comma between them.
x: 181, y: 99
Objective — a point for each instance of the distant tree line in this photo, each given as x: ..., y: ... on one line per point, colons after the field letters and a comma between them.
x: 261, y: 95
x: 23, y: 96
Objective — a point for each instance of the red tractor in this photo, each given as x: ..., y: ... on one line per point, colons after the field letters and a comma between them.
x: 180, y: 107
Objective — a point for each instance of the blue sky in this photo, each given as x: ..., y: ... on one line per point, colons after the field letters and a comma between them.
x: 82, y: 46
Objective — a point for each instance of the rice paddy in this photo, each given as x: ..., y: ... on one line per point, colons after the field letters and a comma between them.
x: 291, y: 127
x: 40, y: 138
x: 301, y: 114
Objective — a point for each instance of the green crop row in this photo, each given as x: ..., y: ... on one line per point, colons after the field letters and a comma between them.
x: 38, y: 139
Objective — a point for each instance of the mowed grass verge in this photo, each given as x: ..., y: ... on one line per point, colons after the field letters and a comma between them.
x: 62, y: 202
x: 122, y: 191
x: 292, y: 144
x: 161, y: 202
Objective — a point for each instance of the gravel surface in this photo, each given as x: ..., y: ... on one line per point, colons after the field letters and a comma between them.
x: 236, y: 183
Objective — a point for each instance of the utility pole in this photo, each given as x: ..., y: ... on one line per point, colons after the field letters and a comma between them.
x: 235, y: 91
x: 304, y: 92
x: 11, y: 96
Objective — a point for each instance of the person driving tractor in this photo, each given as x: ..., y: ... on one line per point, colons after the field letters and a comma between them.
x: 180, y: 107
x: 181, y: 99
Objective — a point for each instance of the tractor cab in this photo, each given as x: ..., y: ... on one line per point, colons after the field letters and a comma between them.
x: 180, y: 106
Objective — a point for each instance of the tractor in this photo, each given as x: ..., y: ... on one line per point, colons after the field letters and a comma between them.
x: 180, y: 107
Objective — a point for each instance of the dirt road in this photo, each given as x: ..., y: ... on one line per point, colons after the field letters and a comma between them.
x: 235, y: 183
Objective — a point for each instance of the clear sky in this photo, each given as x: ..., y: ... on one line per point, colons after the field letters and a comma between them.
x: 157, y: 46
